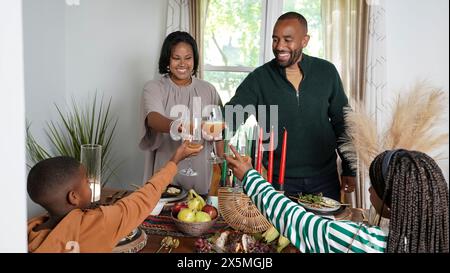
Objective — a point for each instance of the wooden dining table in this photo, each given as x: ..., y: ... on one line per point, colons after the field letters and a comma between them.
x: 187, y: 244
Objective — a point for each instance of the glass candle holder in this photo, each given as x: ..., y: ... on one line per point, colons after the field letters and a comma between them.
x: 91, y: 158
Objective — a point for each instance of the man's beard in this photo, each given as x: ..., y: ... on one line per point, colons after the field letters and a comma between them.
x: 295, y: 57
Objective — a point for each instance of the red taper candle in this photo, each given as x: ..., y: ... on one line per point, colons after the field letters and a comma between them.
x: 259, y: 151
x: 283, y: 160
x: 270, y: 170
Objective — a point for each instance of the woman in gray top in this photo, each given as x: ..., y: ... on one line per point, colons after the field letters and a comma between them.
x: 178, y: 64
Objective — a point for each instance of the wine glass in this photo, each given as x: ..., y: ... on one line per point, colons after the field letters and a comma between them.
x: 192, y: 132
x: 213, y: 128
x: 242, y: 149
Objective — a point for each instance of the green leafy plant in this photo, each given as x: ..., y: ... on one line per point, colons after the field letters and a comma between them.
x: 91, y: 124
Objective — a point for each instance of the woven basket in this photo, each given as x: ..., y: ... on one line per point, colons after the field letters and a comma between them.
x: 240, y: 213
x: 193, y: 229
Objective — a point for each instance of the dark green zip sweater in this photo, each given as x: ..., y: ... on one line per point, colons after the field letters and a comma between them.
x: 313, y: 117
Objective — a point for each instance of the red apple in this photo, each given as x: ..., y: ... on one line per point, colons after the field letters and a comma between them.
x: 211, y: 210
x: 177, y: 207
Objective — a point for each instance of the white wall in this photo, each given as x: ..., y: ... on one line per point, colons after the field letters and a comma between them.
x: 111, y: 46
x: 418, y: 47
x: 44, y: 53
x: 12, y: 114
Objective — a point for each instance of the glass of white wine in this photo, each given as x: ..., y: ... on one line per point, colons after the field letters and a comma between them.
x: 192, y: 132
x: 213, y: 128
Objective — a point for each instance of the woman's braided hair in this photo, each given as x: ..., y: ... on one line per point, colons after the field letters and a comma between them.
x: 416, y: 192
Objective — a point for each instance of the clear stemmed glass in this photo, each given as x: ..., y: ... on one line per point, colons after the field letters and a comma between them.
x: 213, y: 128
x: 192, y: 132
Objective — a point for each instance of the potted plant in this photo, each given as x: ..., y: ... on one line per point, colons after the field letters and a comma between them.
x: 91, y: 124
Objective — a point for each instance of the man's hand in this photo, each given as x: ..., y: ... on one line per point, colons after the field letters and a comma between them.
x: 348, y: 183
x: 184, y: 151
x: 238, y: 165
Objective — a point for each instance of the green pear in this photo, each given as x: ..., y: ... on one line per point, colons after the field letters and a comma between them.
x: 201, y: 216
x: 195, y: 204
x: 194, y: 195
x: 186, y: 215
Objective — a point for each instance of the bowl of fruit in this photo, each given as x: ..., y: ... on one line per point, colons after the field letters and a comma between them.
x: 194, y: 217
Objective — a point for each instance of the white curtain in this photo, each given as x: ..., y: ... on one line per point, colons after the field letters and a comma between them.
x: 345, y: 38
x: 355, y: 41
x: 376, y: 74
x: 197, y: 16
x: 177, y: 16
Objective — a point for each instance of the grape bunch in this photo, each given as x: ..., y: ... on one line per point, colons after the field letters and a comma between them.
x: 258, y: 247
x: 203, y: 245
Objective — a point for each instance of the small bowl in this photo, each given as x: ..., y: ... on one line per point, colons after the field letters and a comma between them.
x: 193, y: 229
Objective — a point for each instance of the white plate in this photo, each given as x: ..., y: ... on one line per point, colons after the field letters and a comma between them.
x: 337, y: 205
x: 158, y: 208
x: 180, y: 196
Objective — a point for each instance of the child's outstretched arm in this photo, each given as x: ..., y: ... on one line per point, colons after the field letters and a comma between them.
x: 305, y: 230
x: 129, y: 212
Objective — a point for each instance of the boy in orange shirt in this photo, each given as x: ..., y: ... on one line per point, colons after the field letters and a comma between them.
x: 60, y: 186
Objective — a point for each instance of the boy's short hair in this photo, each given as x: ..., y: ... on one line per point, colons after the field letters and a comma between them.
x: 50, y: 177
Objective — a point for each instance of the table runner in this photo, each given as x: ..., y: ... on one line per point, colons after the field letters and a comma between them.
x: 164, y: 225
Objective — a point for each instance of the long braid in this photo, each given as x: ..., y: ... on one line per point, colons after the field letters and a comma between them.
x: 441, y: 198
x: 417, y: 195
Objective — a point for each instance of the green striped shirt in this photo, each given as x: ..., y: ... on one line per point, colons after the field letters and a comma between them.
x: 306, y: 231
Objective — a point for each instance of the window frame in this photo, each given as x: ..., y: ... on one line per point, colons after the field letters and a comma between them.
x: 272, y: 10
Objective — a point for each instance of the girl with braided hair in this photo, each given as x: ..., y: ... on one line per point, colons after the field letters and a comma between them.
x: 407, y: 186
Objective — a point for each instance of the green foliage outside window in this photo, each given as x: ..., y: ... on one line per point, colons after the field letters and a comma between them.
x: 233, y: 33
x: 232, y: 37
x: 311, y: 10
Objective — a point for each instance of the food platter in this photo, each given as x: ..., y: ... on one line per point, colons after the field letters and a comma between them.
x: 173, y: 193
x: 318, y: 203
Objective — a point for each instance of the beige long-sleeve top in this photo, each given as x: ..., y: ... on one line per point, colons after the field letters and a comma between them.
x: 161, y: 96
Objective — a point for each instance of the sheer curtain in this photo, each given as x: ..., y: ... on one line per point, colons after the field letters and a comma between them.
x: 355, y: 41
x: 376, y: 75
x: 197, y: 16
x: 345, y: 24
x: 177, y: 16
x: 189, y: 16
x: 346, y: 29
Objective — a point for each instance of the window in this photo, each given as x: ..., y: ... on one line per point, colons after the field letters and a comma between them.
x: 232, y: 43
x: 237, y: 37
x: 312, y: 11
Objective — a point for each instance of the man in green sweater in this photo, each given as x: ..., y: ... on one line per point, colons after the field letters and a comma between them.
x: 310, y: 98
